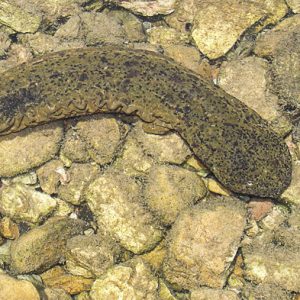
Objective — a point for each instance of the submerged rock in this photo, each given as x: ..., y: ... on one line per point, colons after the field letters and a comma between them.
x: 212, y: 230
x: 43, y: 246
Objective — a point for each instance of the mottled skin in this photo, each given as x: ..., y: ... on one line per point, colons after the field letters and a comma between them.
x: 231, y: 139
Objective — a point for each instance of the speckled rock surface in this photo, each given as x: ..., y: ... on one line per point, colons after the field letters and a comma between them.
x: 146, y: 7
x: 79, y: 176
x: 32, y: 148
x: 57, y: 294
x: 17, y: 18
x: 13, y: 289
x: 246, y: 79
x: 219, y: 24
x: 273, y: 258
x: 132, y: 280
x: 114, y: 198
x: 34, y: 250
x: 90, y: 256
x: 171, y: 189
x: 213, y: 231
x: 102, y: 137
x: 294, y: 5
x: 208, y: 294
x: 23, y: 203
x: 107, y: 27
x: 49, y: 176
x: 57, y: 277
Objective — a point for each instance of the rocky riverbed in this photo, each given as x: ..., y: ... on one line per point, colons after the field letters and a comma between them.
x: 96, y: 208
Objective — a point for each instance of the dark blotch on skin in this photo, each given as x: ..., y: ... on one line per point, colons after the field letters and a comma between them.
x: 230, y: 138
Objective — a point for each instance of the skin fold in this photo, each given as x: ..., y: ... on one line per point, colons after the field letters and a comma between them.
x: 233, y: 141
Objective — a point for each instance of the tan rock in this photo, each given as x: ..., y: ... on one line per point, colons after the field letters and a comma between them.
x: 13, y: 289
x: 259, y: 208
x: 74, y: 147
x: 294, y: 5
x: 292, y: 193
x: 189, y: 57
x: 219, y: 24
x: 171, y: 189
x: 17, y: 18
x: 57, y: 277
x: 23, y: 203
x: 49, y: 176
x: 102, y: 136
x: 34, y: 250
x: 246, y: 80
x: 213, y: 230
x: 146, y: 7
x: 90, y: 256
x: 208, y: 294
x: 215, y: 187
x: 268, y: 43
x: 79, y: 177
x: 166, y: 36
x: 32, y: 147
x: 131, y: 280
x: 9, y: 229
x: 114, y: 198
x: 57, y: 294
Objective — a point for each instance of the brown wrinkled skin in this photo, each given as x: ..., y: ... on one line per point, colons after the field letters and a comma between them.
x: 231, y: 139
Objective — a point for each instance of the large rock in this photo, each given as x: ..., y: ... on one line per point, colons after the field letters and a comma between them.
x: 43, y: 246
x: 30, y: 148
x: 212, y: 230
x: 114, y: 198
x: 13, y: 289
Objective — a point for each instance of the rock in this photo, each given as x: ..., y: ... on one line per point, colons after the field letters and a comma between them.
x: 32, y: 147
x: 56, y: 294
x: 23, y: 203
x: 292, y: 193
x: 190, y: 58
x: 80, y: 175
x: 146, y: 7
x: 246, y: 80
x: 49, y: 176
x: 166, y: 36
x: 13, y: 289
x: 114, y: 199
x: 74, y: 147
x: 213, y: 230
x: 17, y: 54
x: 83, y: 296
x: 285, y: 72
x: 5, y: 254
x: 164, y: 292
x: 132, y: 280
x: 294, y: 5
x: 277, y: 216
x: 208, y: 294
x: 9, y: 229
x: 272, y: 258
x: 102, y: 136
x: 35, y: 250
x: 170, y: 189
x: 57, y: 277
x: 17, y: 18
x: 4, y: 43
x: 168, y: 148
x: 156, y: 257
x: 275, y: 11
x: 27, y: 179
x: 266, y: 292
x: 90, y: 256
x: 219, y: 24
x: 215, y: 187
x: 259, y: 208
x: 269, y: 42
x: 94, y: 28
x: 63, y: 209
x: 41, y: 43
